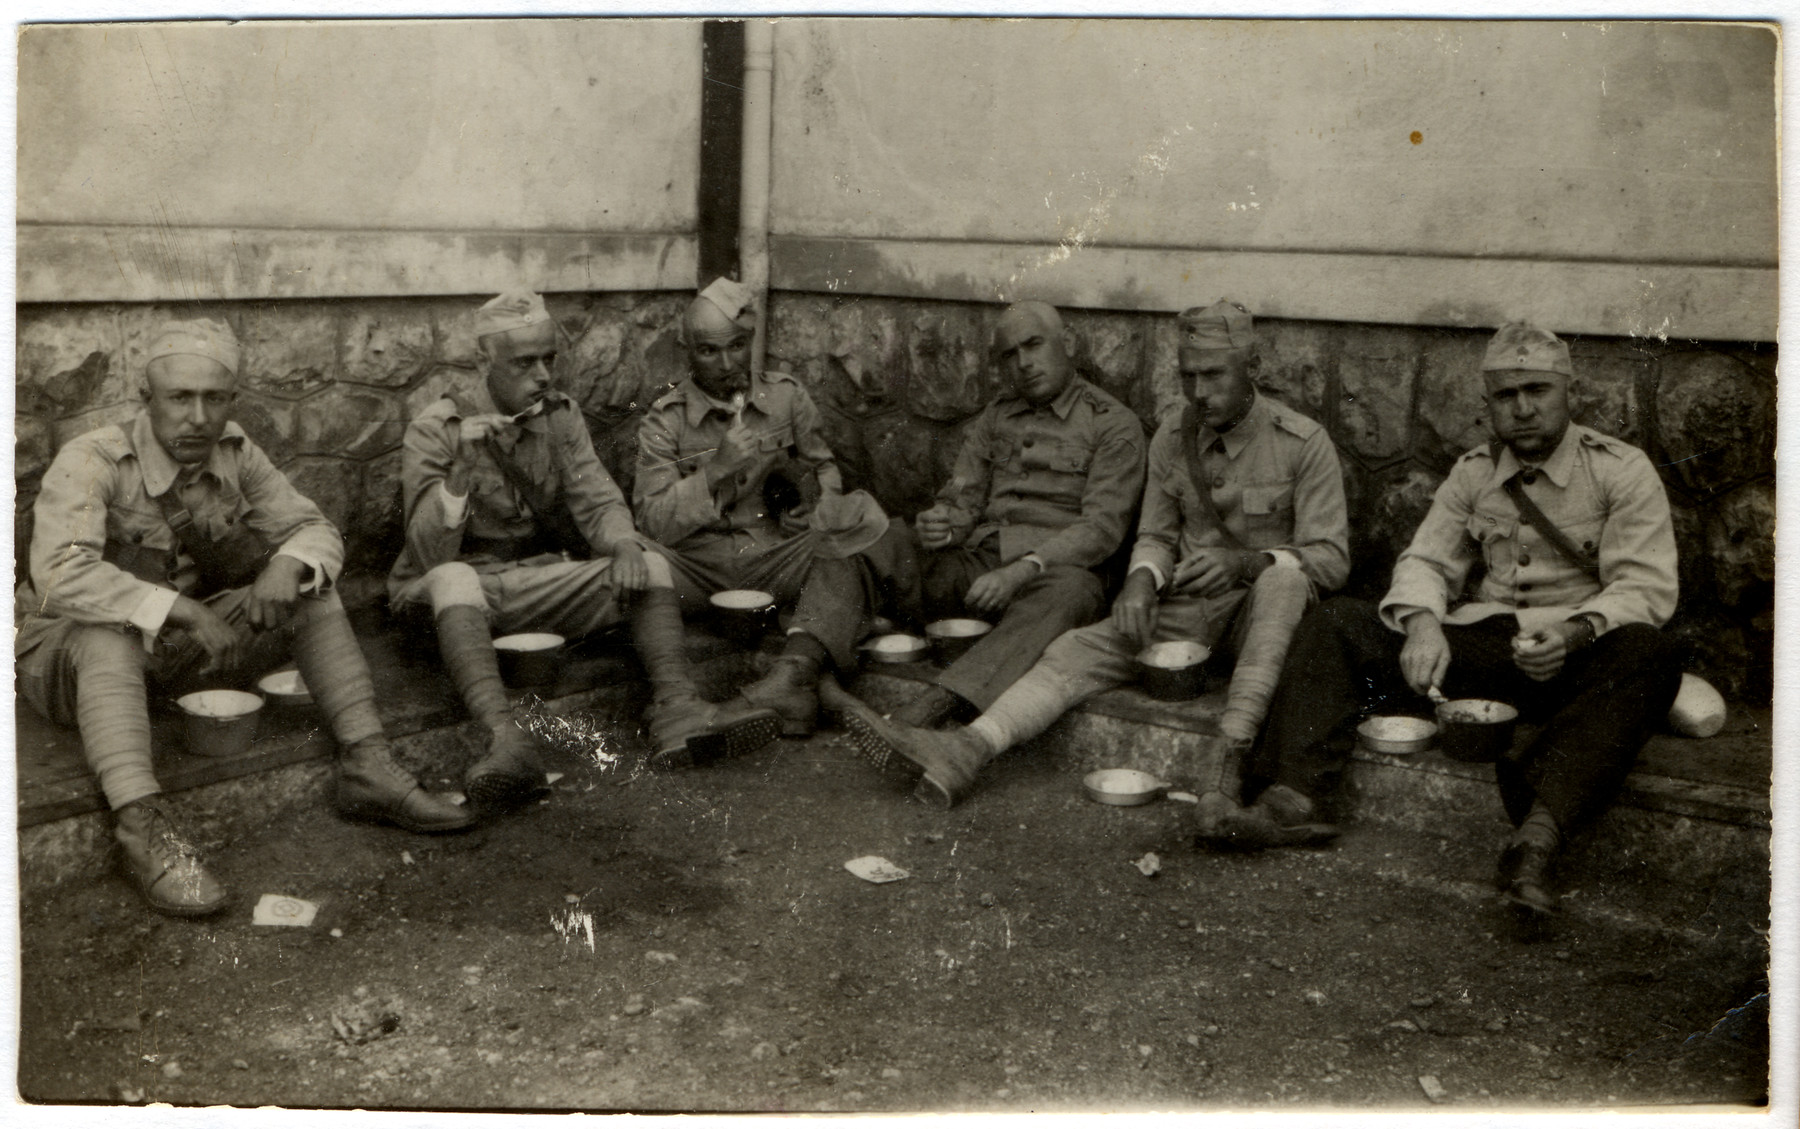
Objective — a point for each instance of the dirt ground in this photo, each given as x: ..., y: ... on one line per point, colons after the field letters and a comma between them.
x: 693, y: 941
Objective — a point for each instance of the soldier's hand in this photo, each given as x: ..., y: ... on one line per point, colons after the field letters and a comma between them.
x: 1541, y: 656
x: 935, y: 528
x: 798, y: 519
x: 1425, y: 658
x: 224, y: 644
x: 473, y: 429
x: 276, y: 591
x: 1134, y: 612
x: 629, y: 571
x: 1209, y: 572
x: 993, y: 591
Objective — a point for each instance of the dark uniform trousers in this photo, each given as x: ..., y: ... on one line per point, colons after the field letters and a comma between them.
x: 1059, y: 598
x: 1596, y: 713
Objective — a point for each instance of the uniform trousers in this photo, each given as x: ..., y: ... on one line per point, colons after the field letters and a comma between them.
x: 542, y: 593
x: 1596, y: 713
x: 1057, y: 599
x: 1255, y: 622
x: 832, y: 594
x: 93, y: 677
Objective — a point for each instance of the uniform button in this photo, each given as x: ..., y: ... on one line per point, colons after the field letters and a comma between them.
x: 1490, y: 521
x: 1528, y: 477
x: 1219, y: 482
x: 1524, y: 587
x: 1524, y: 603
x: 743, y: 480
x: 1524, y: 559
x: 1588, y: 545
x: 1029, y: 442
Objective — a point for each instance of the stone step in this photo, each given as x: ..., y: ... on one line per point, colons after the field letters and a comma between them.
x: 1694, y: 813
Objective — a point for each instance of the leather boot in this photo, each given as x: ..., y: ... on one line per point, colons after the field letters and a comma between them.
x: 1221, y: 788
x: 1525, y: 870
x: 1281, y: 817
x: 930, y: 709
x: 942, y: 762
x: 371, y: 786
x: 163, y: 865
x: 791, y: 689
x: 512, y: 772
x: 685, y: 729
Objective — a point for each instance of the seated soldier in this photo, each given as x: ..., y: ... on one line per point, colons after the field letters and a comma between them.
x: 1041, y: 497
x: 1574, y: 530
x: 737, y: 486
x: 1243, y: 523
x: 512, y: 524
x: 172, y: 549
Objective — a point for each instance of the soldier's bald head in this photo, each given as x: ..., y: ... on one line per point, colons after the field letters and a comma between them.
x: 1020, y: 319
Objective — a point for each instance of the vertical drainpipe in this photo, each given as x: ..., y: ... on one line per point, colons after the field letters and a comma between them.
x: 753, y: 200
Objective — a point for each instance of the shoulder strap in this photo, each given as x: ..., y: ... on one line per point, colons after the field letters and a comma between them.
x: 1540, y: 521
x: 1190, y: 445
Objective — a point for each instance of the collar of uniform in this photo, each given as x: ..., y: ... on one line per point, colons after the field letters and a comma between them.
x: 1238, y: 437
x: 1556, y: 468
x: 160, y: 471
x: 700, y: 405
x: 1062, y: 405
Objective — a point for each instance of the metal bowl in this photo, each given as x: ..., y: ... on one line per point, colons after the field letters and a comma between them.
x: 1475, y: 730
x: 1173, y: 671
x: 1397, y: 736
x: 950, y: 638
x: 285, y: 688
x: 895, y: 648
x: 219, y: 723
x: 530, y: 659
x: 1122, y: 787
x: 743, y: 615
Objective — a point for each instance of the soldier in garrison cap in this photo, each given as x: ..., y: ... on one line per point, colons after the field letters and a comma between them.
x: 1574, y: 530
x: 513, y: 525
x: 1243, y: 523
x: 738, y: 487
x: 1041, y: 497
x: 171, y: 550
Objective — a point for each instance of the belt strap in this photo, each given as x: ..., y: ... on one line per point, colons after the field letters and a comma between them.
x: 1540, y: 521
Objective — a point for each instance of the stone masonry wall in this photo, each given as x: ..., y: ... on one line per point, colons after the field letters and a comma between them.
x: 328, y: 386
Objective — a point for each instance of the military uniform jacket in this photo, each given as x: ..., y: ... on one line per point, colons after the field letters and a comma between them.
x: 1060, y: 481
x: 1601, y: 492
x: 681, y: 435
x: 104, y: 497
x: 1274, y: 483
x: 552, y: 451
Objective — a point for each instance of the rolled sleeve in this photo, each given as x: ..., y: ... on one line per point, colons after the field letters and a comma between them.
x: 1114, y: 482
x: 151, y: 613
x: 289, y: 519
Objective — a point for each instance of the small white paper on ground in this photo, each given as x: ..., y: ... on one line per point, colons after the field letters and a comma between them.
x: 874, y: 868
x: 279, y: 909
x: 552, y: 777
x: 1149, y: 865
x: 1184, y: 797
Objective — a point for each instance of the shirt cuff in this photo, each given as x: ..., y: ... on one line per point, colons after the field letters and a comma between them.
x: 456, y: 506
x: 319, y: 581
x: 1036, y: 560
x: 1156, y: 573
x: 1283, y: 558
x: 151, y: 613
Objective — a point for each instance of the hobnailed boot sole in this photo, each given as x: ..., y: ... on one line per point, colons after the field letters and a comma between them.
x: 712, y: 746
x: 869, y: 733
